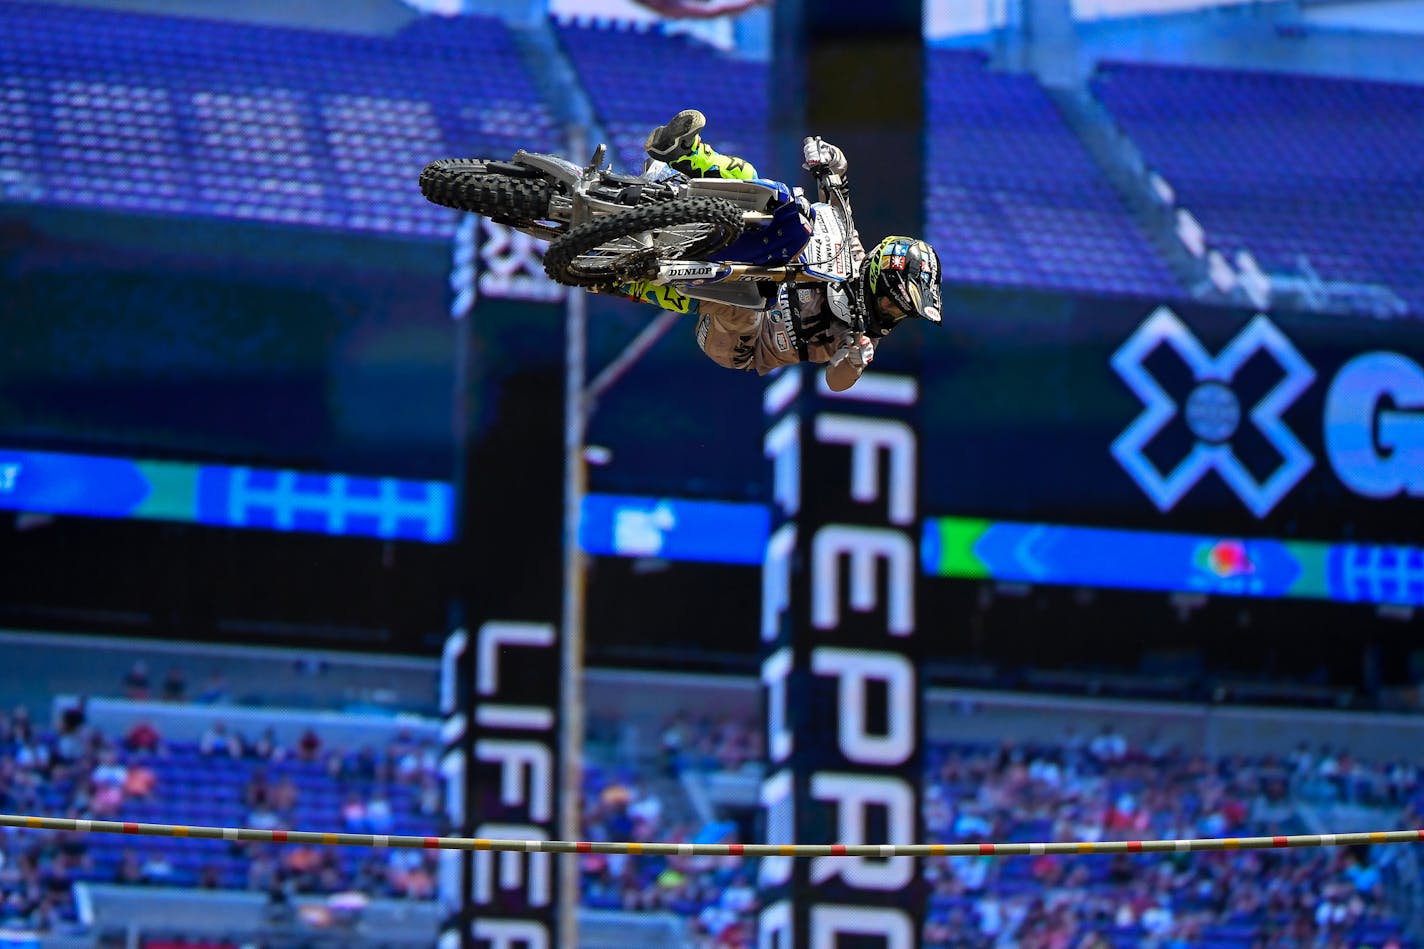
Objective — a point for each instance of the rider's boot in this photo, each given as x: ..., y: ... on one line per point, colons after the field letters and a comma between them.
x: 678, y: 144
x: 658, y: 295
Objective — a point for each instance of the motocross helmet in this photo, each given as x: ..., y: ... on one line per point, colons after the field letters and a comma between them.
x: 900, y: 280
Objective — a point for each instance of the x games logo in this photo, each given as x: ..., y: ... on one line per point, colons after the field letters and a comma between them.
x: 1212, y: 412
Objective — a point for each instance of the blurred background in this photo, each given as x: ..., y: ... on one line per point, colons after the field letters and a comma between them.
x: 280, y: 441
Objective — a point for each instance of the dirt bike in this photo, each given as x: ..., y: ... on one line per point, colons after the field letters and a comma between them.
x: 722, y: 239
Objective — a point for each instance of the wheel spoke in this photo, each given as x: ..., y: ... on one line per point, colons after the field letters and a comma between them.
x: 624, y: 245
x: 670, y: 239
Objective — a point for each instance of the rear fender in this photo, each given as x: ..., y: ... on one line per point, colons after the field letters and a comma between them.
x: 560, y: 169
x: 749, y: 194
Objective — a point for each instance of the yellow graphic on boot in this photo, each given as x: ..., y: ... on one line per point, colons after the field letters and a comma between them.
x: 705, y: 162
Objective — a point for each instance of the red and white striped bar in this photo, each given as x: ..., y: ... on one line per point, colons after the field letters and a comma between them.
x: 711, y: 850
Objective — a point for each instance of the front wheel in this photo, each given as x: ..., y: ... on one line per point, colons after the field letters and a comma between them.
x: 614, y: 249
x: 495, y: 189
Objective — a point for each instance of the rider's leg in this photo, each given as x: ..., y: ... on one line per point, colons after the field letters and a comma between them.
x: 729, y: 335
x: 679, y: 144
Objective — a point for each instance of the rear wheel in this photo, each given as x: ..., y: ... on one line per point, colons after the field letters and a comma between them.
x: 620, y: 247
x: 495, y: 189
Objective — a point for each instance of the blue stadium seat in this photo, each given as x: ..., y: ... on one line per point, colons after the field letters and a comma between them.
x: 1287, y: 165
x: 125, y: 111
x: 639, y: 77
x: 1014, y: 199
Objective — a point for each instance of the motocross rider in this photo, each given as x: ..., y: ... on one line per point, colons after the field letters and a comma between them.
x: 898, y: 280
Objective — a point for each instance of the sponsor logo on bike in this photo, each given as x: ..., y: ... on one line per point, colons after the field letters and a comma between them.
x: 689, y: 271
x: 826, y: 253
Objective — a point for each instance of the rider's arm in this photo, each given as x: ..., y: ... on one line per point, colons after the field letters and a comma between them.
x: 842, y: 375
x: 831, y: 168
x: 848, y: 365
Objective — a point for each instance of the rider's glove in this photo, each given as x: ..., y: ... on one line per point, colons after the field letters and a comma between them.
x: 860, y: 353
x: 818, y: 156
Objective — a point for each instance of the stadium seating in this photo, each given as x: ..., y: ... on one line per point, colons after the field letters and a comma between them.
x: 176, y: 115
x: 207, y: 790
x: 973, y: 792
x: 1286, y: 165
x: 1014, y: 199
x: 638, y: 77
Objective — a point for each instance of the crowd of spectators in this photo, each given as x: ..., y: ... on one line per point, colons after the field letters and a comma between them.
x: 73, y: 769
x: 138, y: 684
x: 1080, y: 788
x: 367, y: 778
x: 1104, y: 789
x: 705, y: 743
x: 1083, y: 787
x: 718, y: 894
x: 44, y: 771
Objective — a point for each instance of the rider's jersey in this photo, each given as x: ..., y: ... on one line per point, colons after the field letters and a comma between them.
x: 763, y: 340
x: 822, y: 331
x: 766, y: 339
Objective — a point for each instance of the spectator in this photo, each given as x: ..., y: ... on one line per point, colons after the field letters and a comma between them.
x: 140, y: 782
x: 303, y: 865
x: 265, y: 748
x: 175, y: 684
x: 218, y: 741
x: 263, y: 817
x: 130, y: 869
x: 72, y: 723
x: 1157, y: 918
x: 156, y: 869
x: 214, y: 690
x: 430, y: 800
x: 143, y: 738
x: 308, y: 746
x: 284, y: 796
x: 1108, y: 745
x: 262, y: 872
x: 673, y: 740
x: 378, y: 813
x: 414, y: 760
x: 353, y: 813
x: 418, y: 883
x: 135, y: 681
x: 256, y: 793
x: 740, y: 896
x: 1364, y: 875
x: 107, y: 784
